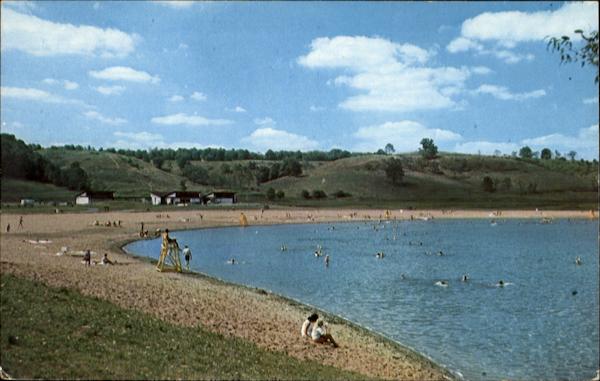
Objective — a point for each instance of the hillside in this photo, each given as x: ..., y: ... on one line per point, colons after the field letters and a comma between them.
x: 452, y: 180
x: 127, y: 176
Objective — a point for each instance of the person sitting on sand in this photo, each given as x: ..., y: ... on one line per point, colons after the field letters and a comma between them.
x: 308, y: 325
x: 187, y: 254
x: 87, y: 257
x: 319, y: 335
x: 106, y: 261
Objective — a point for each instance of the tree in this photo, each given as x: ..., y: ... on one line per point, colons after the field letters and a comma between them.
x: 488, y: 185
x: 196, y: 174
x: 158, y: 161
x: 572, y: 155
x: 291, y: 167
x: 587, y: 54
x: 428, y: 150
x: 305, y: 194
x: 393, y: 170
x: 182, y: 185
x: 546, y: 154
x: 389, y: 149
x: 319, y: 194
x: 280, y: 194
x: 525, y: 153
x: 75, y: 177
x: 271, y: 194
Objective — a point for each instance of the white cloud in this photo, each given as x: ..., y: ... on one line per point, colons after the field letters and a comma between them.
x: 501, y: 92
x: 31, y: 94
x: 314, y: 108
x: 269, y: 138
x: 405, y: 135
x: 236, y: 109
x: 68, y: 85
x: 123, y: 73
x: 506, y: 29
x: 590, y: 101
x: 198, y: 96
x: 97, y: 116
x: 389, y: 76
x: 175, y: 4
x: 481, y: 70
x: 110, y: 90
x: 176, y: 98
x: 264, y: 121
x: 190, y: 120
x: 586, y: 139
x: 485, y: 147
x: 40, y: 37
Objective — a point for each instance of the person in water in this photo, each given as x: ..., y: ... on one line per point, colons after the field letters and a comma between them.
x: 464, y: 278
x: 500, y: 283
x: 187, y: 254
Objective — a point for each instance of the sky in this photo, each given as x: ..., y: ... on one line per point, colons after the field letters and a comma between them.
x: 476, y: 77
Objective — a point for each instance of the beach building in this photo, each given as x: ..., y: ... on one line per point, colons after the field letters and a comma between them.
x: 89, y: 197
x: 27, y: 202
x: 175, y: 198
x: 220, y: 197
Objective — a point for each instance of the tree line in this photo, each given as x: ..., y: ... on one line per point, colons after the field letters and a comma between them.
x: 21, y: 161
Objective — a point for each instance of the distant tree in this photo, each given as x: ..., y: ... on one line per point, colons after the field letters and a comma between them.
x: 291, y: 167
x: 535, y: 154
x: 572, y: 155
x: 75, y: 177
x: 274, y: 172
x: 389, y: 149
x: 557, y: 155
x: 341, y: 194
x: 587, y: 54
x: 525, y: 153
x: 319, y: 194
x: 380, y: 152
x: 546, y: 154
x: 280, y: 194
x: 158, y: 161
x: 196, y: 174
x: 270, y: 155
x: 226, y: 169
x: 182, y: 185
x: 497, y: 152
x: 393, y: 170
x: 488, y: 185
x: 271, y: 194
x: 262, y: 175
x: 305, y: 194
x: 428, y: 149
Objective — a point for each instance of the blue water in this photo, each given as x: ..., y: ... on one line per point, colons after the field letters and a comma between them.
x: 533, y: 328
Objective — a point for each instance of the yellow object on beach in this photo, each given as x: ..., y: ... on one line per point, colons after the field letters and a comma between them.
x: 169, y: 255
x: 243, y: 220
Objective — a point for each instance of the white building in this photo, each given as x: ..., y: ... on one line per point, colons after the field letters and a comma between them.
x: 221, y: 197
x: 86, y: 198
x: 176, y: 198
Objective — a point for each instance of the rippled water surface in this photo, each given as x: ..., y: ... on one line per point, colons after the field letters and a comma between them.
x: 542, y: 325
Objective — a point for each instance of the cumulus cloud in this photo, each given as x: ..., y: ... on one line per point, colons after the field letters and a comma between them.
x: 32, y: 94
x: 175, y: 4
x: 314, y: 108
x: 264, y: 121
x: 405, y: 135
x: 68, y: 85
x: 123, y: 73
x: 110, y: 90
x: 198, y: 96
x: 590, y: 101
x: 586, y: 139
x: 40, y: 37
x: 97, y: 116
x: 505, y: 30
x: 176, y: 98
x: 236, y: 109
x: 389, y: 76
x: 189, y: 120
x: 501, y: 92
x: 486, y: 147
x: 269, y: 138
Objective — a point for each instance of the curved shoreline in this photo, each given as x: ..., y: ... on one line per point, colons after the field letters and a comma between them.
x: 221, y: 307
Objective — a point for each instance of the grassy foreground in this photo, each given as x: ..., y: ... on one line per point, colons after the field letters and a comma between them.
x: 57, y: 333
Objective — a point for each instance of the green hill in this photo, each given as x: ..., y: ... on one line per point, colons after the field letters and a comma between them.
x: 451, y: 180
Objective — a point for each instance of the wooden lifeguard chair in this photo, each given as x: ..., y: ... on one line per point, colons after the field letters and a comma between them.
x: 170, y: 259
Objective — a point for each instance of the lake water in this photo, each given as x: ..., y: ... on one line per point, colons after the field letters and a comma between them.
x: 542, y: 325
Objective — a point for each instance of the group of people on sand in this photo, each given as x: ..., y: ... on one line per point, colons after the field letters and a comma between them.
x: 87, y: 259
x: 315, y: 330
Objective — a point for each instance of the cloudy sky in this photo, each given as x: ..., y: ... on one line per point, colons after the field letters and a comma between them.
x: 473, y: 76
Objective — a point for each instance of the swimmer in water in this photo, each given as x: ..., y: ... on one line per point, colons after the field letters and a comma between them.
x: 231, y: 261
x: 464, y: 278
x: 441, y: 283
x: 500, y: 283
x: 578, y: 261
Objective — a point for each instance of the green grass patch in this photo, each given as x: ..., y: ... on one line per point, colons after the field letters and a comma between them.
x: 57, y: 333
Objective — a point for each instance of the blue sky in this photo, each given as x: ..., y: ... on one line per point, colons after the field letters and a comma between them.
x: 474, y: 76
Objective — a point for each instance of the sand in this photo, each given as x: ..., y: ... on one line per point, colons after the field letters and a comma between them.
x: 270, y: 321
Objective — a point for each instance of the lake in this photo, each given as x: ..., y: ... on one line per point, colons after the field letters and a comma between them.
x: 543, y: 324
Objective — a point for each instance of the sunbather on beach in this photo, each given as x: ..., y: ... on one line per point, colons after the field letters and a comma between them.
x: 106, y: 261
x: 308, y: 325
x: 319, y: 335
x: 87, y: 257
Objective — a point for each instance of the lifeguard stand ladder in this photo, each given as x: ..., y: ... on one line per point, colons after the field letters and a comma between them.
x: 169, y: 258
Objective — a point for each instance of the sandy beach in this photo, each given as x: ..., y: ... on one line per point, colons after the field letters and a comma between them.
x: 190, y: 300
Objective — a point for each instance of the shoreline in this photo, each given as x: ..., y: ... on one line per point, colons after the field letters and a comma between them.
x: 199, y: 299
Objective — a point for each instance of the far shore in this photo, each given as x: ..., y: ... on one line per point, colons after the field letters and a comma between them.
x: 192, y: 299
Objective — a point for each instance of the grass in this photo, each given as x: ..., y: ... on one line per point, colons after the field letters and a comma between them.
x: 13, y: 190
x: 57, y: 333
